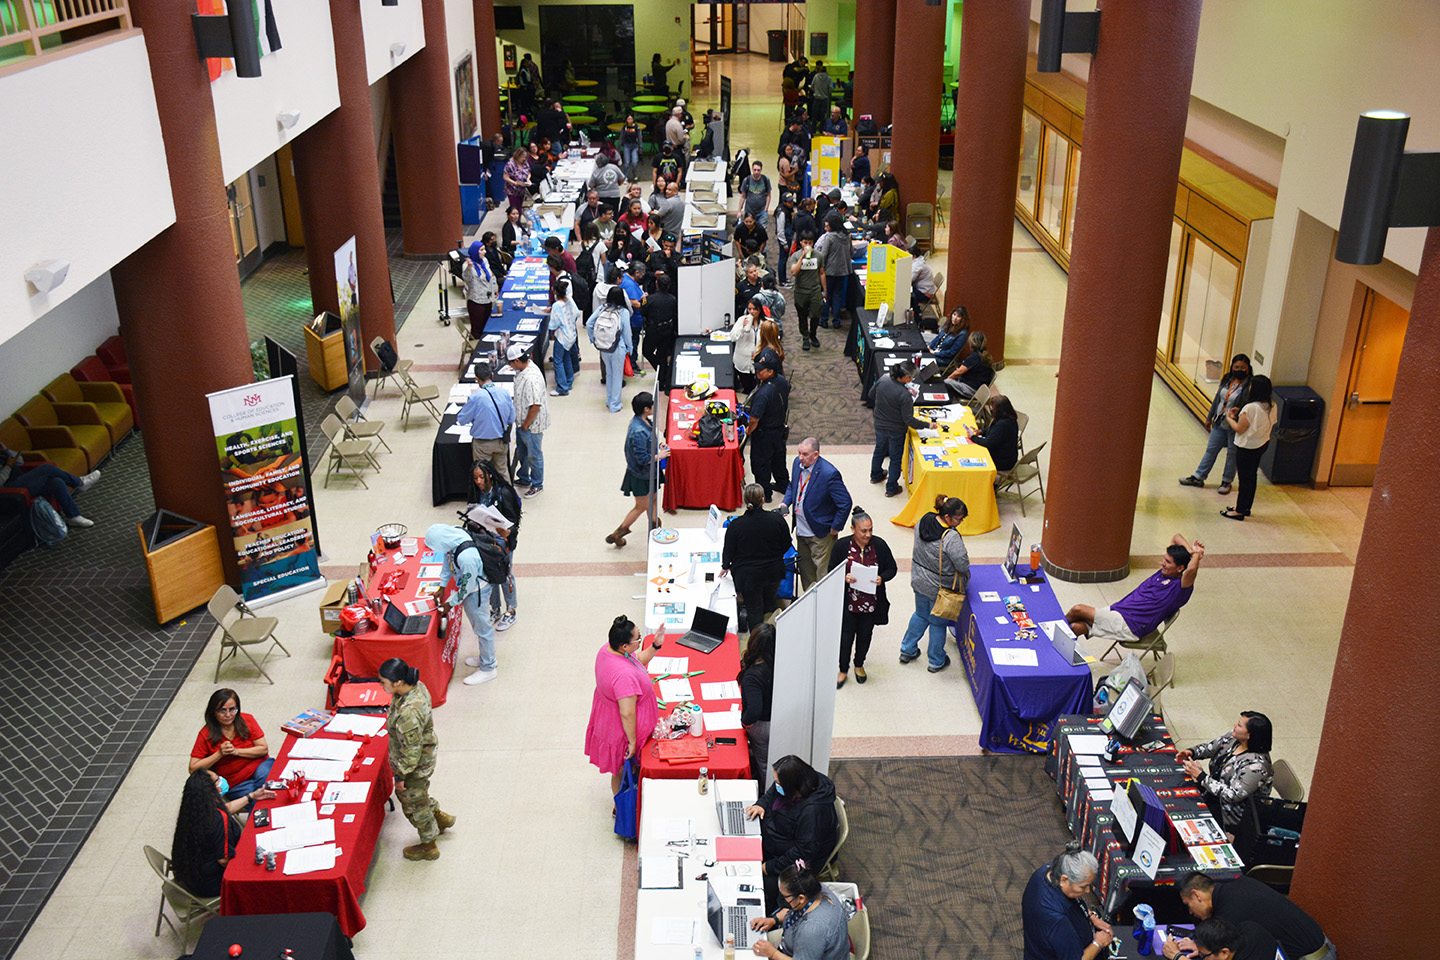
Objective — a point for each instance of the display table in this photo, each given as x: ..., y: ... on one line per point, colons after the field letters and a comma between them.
x: 718, y: 355
x: 667, y: 801
x: 879, y: 348
x: 248, y: 888
x: 699, y: 476
x: 1017, y: 704
x: 927, y: 478
x: 314, y: 936
x: 428, y: 652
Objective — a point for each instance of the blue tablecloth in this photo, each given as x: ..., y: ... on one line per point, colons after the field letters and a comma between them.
x: 1017, y: 704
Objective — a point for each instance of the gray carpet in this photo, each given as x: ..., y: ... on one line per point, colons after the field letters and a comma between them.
x: 941, y: 849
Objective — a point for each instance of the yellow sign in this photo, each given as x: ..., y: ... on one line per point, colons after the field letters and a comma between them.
x: 887, y: 269
x: 825, y: 163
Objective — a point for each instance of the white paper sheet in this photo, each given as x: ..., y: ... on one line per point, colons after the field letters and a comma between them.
x: 1091, y: 744
x: 672, y: 930
x: 669, y: 829
x: 1149, y: 849
x: 1014, y: 657
x: 282, y: 817
x: 346, y: 792
x: 311, y: 859
x: 723, y: 720
x: 430, y: 571
x: 660, y: 873
x: 461, y: 431
x: 318, y: 748
x: 723, y: 690
x: 415, y: 608
x: 307, y: 833
x: 676, y: 688
x: 659, y: 665
x: 1088, y: 761
x: 1125, y: 815
x: 989, y: 596
x: 864, y: 577
x: 316, y: 771
x: 359, y: 724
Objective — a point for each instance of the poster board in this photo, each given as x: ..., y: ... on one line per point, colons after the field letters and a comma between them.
x: 887, y: 278
x: 706, y: 295
x: 347, y: 289
x: 807, y: 647
x: 826, y: 157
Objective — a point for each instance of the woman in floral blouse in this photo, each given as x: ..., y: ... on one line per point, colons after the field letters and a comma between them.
x: 864, y: 610
x: 1239, y: 766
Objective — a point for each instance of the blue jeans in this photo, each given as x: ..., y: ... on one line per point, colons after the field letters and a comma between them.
x: 48, y: 480
x: 1220, y: 436
x: 480, y: 622
x: 238, y: 790
x: 835, y: 289
x: 890, y: 445
x: 531, y: 470
x: 507, y: 591
x: 614, y: 363
x: 565, y: 367
x: 630, y: 158
x: 919, y: 620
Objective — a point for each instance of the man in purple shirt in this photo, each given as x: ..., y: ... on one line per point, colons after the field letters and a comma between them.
x: 1148, y: 605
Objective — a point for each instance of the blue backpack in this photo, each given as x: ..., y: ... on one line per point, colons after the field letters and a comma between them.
x: 47, y: 523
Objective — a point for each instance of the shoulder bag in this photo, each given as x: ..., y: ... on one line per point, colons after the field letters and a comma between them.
x: 948, y: 600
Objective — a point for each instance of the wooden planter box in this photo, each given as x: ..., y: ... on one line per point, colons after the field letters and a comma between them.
x: 327, y: 359
x: 184, y: 572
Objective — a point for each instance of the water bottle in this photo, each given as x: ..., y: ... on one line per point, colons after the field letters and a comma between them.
x: 1144, y: 929
x: 703, y: 784
x: 697, y: 723
x: 729, y: 946
x: 1035, y: 557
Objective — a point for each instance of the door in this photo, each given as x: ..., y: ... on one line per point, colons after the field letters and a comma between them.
x: 742, y: 28
x: 243, y: 229
x: 1367, y: 396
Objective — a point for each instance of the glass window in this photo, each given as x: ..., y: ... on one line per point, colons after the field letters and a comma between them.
x: 1208, y: 307
x: 1071, y: 194
x: 1172, y: 270
x: 1052, y: 196
x: 1029, y: 162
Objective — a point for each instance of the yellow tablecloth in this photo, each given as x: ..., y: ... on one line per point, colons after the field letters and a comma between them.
x: 926, y: 481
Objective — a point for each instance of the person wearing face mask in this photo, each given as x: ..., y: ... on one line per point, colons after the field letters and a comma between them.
x: 232, y: 745
x: 206, y: 832
x: 1058, y: 925
x: 797, y: 821
x: 813, y: 923
x: 1232, y: 394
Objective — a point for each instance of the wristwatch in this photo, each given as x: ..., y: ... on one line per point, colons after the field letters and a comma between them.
x: 655, y: 645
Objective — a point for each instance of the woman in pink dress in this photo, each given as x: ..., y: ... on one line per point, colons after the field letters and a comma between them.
x: 623, y: 712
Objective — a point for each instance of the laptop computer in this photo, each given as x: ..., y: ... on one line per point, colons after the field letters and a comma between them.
x: 396, y: 619
x: 1064, y: 642
x: 731, y: 814
x: 707, y: 631
x: 924, y: 374
x: 732, y: 920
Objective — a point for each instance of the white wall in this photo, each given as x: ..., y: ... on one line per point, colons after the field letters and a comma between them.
x: 57, y: 341
x: 299, y: 76
x: 460, y: 35
x: 84, y: 178
x: 765, y: 17
x: 383, y: 26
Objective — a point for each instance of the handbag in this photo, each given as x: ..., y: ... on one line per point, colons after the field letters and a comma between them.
x: 948, y: 600
x: 627, y: 801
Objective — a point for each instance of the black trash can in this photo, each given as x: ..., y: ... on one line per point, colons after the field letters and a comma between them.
x: 1299, y: 415
x: 777, y: 45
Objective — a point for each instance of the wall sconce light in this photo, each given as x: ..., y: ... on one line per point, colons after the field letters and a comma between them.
x: 389, y: 3
x: 288, y: 118
x: 1387, y: 188
x: 397, y: 50
x: 231, y: 34
x: 47, y: 275
x: 1062, y: 32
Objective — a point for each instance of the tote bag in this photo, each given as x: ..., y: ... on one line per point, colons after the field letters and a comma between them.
x: 948, y: 600
x: 627, y: 801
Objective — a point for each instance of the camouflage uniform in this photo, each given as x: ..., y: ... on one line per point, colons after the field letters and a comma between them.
x: 412, y: 758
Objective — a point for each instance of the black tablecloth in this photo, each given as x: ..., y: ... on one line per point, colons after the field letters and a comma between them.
x: 723, y: 363
x: 908, y: 343
x: 312, y: 936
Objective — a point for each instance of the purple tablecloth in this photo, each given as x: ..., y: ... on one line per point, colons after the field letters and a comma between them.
x: 1017, y: 704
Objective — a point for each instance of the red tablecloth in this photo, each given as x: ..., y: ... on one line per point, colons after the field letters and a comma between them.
x: 431, y: 654
x: 726, y: 761
x: 250, y: 888
x: 698, y: 477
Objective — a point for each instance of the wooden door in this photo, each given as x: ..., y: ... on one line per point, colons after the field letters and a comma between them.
x: 1367, y: 396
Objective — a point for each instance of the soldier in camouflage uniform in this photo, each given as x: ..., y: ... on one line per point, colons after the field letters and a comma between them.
x: 412, y: 755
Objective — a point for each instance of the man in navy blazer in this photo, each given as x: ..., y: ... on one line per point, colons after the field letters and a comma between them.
x: 822, y: 508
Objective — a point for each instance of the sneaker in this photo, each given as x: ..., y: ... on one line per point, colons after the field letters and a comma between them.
x: 894, y: 493
x: 557, y: 393
x: 804, y: 343
x: 907, y: 657
x: 481, y: 676
x: 1191, y: 482
x: 78, y: 521
x: 88, y: 481
x: 1224, y: 490
x: 877, y: 479
x: 472, y: 661
x: 931, y: 669
x: 532, y: 491
x: 506, y: 622
x: 815, y: 342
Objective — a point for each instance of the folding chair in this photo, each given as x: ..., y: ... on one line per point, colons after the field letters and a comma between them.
x: 382, y: 375
x: 1161, y: 677
x: 1027, y: 468
x: 343, y: 430
x: 188, y: 907
x: 1286, y: 783
x: 357, y: 427
x: 240, y: 628
x: 931, y: 311
x: 831, y: 869
x: 414, y: 394
x: 1023, y: 419
x: 1152, y: 643
x: 352, y: 455
x: 939, y: 206
x: 467, y: 341
x: 977, y: 401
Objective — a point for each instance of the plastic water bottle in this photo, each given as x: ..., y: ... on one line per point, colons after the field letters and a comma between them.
x: 729, y: 946
x: 697, y: 723
x: 1144, y: 928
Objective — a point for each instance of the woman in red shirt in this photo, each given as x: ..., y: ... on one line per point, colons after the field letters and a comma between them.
x: 232, y: 745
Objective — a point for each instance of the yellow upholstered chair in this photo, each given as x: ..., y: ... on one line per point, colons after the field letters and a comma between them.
x: 107, y: 398
x: 55, y: 444
x: 67, y: 425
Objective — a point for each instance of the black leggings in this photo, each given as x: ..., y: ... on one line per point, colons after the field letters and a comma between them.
x: 1247, y: 465
x: 759, y: 592
x: 857, y: 629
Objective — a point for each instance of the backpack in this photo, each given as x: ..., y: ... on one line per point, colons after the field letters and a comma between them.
x: 586, y: 264
x: 580, y: 293
x: 865, y: 127
x: 385, y: 353
x: 709, y: 431
x: 47, y: 523
x: 494, y: 554
x: 607, y: 329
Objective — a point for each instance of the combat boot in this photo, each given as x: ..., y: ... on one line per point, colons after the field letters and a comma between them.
x: 444, y: 820
x: 423, y: 851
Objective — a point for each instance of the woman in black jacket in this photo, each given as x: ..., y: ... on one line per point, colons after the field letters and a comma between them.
x: 797, y: 822
x: 757, y: 687
x: 493, y: 489
x: 206, y: 832
x: 1002, y: 436
x: 754, y: 554
x: 864, y: 610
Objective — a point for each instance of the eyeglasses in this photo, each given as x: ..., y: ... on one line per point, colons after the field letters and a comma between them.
x: 226, y: 709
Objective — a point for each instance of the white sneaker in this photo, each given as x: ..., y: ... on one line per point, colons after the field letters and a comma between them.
x: 78, y: 521
x: 481, y: 676
x: 88, y: 481
x: 506, y: 622
x: 472, y: 661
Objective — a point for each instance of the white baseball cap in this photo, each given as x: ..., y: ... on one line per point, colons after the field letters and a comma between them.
x: 679, y: 103
x: 515, y: 352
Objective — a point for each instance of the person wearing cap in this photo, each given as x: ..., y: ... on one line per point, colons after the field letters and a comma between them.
x: 533, y: 409
x: 481, y: 288
x: 675, y: 135
x: 413, y: 746
x: 769, y: 412
x: 472, y: 592
x: 489, y: 412
x: 663, y: 262
x: 608, y: 182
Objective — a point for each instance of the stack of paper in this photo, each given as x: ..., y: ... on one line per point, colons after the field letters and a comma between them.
x: 316, y: 771
x: 317, y: 748
x: 723, y: 690
x: 346, y: 792
x: 676, y: 688
x: 672, y: 665
x: 306, y: 833
x: 362, y: 725
x: 311, y: 859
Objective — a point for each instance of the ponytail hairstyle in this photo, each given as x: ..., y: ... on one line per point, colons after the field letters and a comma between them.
x: 622, y: 631
x: 951, y: 508
x: 398, y: 671
x: 977, y: 345
x: 800, y: 881
x: 1074, y: 863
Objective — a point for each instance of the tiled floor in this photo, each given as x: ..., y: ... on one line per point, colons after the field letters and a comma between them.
x: 532, y: 866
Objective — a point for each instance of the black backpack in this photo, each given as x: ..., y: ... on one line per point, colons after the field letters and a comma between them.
x: 494, y: 554
x: 710, y: 431
x: 385, y: 352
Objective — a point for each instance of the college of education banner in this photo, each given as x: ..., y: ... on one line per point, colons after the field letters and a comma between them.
x: 269, y: 501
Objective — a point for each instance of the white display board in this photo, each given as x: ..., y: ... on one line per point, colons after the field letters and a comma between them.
x: 706, y: 295
x: 807, y: 648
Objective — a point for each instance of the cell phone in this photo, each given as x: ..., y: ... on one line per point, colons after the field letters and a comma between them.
x: 725, y: 741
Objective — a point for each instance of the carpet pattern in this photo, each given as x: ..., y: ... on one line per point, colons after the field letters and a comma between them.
x: 941, y: 849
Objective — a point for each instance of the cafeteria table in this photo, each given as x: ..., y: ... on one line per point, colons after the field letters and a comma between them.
x: 649, y: 108
x: 879, y: 348
x: 573, y: 108
x: 248, y: 888
x: 429, y: 652
x: 1018, y: 703
x: 580, y: 98
x: 699, y: 476
x: 721, y: 360
x: 313, y: 936
x: 951, y: 465
x: 649, y: 98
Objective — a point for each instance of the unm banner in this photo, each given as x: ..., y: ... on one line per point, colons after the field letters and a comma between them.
x: 269, y: 501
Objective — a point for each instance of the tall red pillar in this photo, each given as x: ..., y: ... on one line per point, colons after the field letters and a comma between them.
x: 915, y: 104
x: 1379, y: 851
x: 1135, y: 110
x: 982, y: 193
x: 338, y: 181
x: 874, y: 59
x: 425, y: 163
x: 487, y: 71
x: 178, y: 296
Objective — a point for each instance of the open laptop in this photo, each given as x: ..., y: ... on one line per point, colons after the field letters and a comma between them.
x: 924, y: 374
x: 707, y: 631
x: 732, y: 817
x: 395, y: 617
x: 732, y: 920
x: 1064, y: 642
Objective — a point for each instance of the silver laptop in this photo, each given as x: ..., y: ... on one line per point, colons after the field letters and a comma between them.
x: 1064, y: 642
x: 732, y: 920
x: 732, y: 817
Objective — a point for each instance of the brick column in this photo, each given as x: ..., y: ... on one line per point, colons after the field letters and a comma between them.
x: 487, y: 71
x: 915, y: 104
x: 874, y: 58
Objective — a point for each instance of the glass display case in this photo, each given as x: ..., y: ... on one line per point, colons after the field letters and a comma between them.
x: 1027, y: 186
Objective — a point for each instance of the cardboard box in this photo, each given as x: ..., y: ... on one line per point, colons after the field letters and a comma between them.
x: 330, y: 606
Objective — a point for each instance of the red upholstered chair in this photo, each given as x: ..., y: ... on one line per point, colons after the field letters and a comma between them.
x: 112, y: 354
x: 44, y: 443
x: 106, y: 398
x: 67, y: 425
x: 93, y: 370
